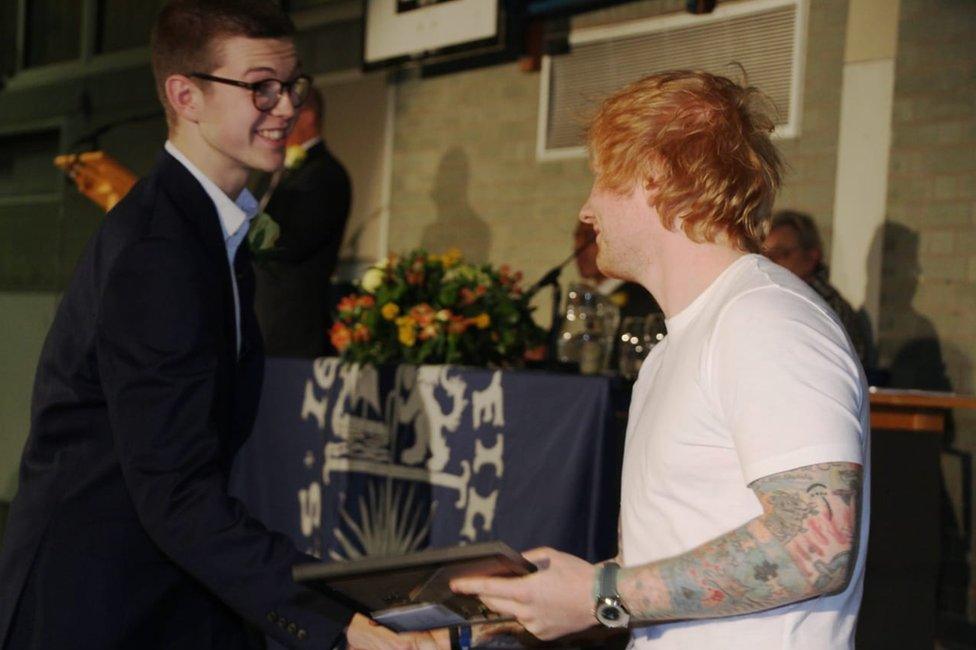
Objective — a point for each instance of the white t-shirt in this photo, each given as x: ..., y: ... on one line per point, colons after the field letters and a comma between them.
x: 755, y: 377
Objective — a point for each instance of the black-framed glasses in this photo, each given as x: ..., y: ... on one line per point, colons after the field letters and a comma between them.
x: 267, y: 93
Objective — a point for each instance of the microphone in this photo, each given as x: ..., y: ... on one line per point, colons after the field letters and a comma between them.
x: 551, y: 276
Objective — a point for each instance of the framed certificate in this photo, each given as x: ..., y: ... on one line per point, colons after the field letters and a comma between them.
x: 412, y: 592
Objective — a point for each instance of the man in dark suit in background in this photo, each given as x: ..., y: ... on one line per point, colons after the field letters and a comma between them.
x: 631, y: 298
x: 122, y: 534
x: 310, y: 203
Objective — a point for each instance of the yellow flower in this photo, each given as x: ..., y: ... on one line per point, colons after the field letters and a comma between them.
x: 481, y: 321
x: 407, y: 335
x: 619, y: 299
x: 451, y: 258
x: 372, y: 279
x: 390, y: 310
x: 295, y: 155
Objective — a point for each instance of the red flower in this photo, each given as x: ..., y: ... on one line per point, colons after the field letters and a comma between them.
x: 457, y: 325
x: 415, y: 278
x: 366, y: 301
x: 340, y: 336
x: 348, y: 303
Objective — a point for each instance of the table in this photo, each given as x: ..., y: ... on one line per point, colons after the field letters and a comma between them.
x: 349, y: 460
x: 357, y: 460
x: 904, y: 547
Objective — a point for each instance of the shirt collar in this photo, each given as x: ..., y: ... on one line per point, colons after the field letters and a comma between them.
x: 311, y: 142
x: 232, y: 214
x: 609, y: 285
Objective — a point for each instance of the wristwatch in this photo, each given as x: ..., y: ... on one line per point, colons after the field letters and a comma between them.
x: 609, y: 610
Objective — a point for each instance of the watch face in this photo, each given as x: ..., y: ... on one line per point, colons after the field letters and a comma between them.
x: 611, y: 614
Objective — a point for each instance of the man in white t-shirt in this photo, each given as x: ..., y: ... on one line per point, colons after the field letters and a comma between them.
x: 744, y: 505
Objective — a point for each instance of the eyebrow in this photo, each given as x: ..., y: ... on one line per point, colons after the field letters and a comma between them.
x: 297, y: 70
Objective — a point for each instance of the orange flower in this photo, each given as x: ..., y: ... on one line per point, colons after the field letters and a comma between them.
x: 390, y: 310
x: 348, y: 303
x: 340, y: 336
x: 429, y: 332
x: 481, y: 321
x: 360, y: 333
x: 423, y: 314
x: 458, y: 325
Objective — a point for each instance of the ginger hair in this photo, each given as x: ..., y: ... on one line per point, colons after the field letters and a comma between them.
x: 700, y: 144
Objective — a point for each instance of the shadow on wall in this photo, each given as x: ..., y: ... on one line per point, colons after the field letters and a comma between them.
x: 914, y: 357
x: 457, y: 224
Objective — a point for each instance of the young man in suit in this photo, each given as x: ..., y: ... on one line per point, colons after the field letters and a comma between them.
x: 310, y: 203
x: 122, y: 534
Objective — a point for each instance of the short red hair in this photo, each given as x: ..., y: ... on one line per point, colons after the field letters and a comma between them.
x: 702, y: 143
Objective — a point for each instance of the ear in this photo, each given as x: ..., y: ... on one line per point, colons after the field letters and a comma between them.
x: 184, y: 96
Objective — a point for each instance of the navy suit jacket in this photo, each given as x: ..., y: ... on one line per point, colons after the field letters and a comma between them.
x: 122, y: 534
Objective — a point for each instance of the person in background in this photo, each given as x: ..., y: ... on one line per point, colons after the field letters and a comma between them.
x: 794, y: 243
x: 631, y: 298
x: 744, y: 496
x: 310, y: 200
x: 122, y: 533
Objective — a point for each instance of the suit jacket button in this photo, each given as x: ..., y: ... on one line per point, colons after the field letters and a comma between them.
x: 282, y: 622
x: 302, y: 635
x: 272, y: 617
x: 292, y: 628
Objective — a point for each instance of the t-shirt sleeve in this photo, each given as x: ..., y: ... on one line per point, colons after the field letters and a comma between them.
x: 782, y: 375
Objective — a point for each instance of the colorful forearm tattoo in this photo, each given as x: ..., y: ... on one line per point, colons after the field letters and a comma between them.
x: 803, y: 546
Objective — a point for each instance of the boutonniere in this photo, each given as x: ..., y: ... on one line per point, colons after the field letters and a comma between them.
x: 262, y: 234
x: 295, y: 155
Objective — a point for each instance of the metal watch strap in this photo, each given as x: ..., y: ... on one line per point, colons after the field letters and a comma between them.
x: 608, y: 581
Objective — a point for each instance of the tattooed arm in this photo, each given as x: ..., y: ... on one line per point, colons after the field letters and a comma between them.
x: 802, y: 546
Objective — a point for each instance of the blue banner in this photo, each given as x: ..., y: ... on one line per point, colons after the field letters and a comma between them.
x: 351, y: 461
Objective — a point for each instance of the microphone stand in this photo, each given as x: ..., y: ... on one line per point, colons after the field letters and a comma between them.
x: 551, y: 278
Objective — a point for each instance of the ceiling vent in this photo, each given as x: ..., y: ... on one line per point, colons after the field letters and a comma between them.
x: 764, y: 40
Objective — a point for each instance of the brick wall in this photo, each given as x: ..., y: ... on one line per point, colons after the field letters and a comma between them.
x: 928, y: 291
x: 932, y: 181
x: 465, y: 173
x: 464, y: 154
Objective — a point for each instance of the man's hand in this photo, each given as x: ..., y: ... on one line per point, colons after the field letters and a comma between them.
x: 555, y: 601
x: 366, y: 634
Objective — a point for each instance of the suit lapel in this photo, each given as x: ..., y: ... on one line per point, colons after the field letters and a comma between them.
x: 198, y: 209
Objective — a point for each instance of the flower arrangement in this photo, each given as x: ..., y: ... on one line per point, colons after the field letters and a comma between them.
x: 422, y: 308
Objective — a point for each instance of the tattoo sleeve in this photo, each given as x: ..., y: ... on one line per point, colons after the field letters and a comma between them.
x: 803, y: 545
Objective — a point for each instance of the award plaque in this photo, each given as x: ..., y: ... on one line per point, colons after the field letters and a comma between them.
x: 412, y: 592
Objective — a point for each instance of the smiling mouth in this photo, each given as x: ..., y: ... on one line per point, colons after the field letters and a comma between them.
x: 273, y: 135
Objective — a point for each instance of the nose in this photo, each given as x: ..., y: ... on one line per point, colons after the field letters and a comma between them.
x: 284, y: 108
x: 586, y: 213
